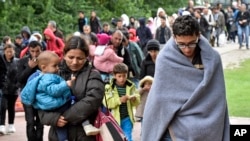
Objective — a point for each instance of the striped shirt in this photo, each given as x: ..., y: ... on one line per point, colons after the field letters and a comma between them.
x: 123, y: 106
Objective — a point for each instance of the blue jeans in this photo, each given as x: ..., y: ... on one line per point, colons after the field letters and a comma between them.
x: 166, y: 137
x: 127, y: 128
x: 241, y: 31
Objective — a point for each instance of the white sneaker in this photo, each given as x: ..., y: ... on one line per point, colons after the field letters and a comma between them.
x: 11, y: 128
x: 2, y: 130
x: 90, y: 130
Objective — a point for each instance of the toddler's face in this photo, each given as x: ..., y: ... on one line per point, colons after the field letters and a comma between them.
x: 147, y: 85
x: 52, y: 67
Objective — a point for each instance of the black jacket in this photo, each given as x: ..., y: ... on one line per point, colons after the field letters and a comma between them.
x: 3, y: 71
x: 95, y: 25
x: 10, y: 85
x: 144, y: 34
x: 24, y: 71
x: 147, y: 67
x: 88, y: 90
x: 243, y: 16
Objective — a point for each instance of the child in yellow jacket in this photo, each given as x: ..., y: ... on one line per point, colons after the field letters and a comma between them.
x: 122, y: 96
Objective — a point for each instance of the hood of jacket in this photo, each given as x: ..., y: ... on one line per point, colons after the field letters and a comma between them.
x: 26, y: 29
x: 142, y: 21
x: 160, y: 10
x: 49, y: 33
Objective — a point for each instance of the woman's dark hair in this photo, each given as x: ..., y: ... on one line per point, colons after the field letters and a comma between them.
x: 186, y: 26
x: 76, y: 42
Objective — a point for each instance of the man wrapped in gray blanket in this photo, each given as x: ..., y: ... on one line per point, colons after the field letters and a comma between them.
x: 187, y: 101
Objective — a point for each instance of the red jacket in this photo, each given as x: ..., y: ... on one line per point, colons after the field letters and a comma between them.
x: 54, y: 43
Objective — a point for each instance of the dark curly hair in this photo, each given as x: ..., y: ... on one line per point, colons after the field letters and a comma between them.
x: 186, y: 26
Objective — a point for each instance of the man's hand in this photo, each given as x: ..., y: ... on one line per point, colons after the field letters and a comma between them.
x: 32, y: 63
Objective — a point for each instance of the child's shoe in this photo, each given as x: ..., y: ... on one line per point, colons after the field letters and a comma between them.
x: 91, y: 130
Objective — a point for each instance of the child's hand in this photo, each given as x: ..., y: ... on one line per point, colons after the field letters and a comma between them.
x: 124, y: 99
x: 132, y: 98
x: 70, y: 82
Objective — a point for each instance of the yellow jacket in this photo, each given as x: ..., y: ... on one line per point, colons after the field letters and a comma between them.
x: 113, y: 99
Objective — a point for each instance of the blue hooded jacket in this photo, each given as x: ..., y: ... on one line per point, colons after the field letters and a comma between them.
x: 45, y: 91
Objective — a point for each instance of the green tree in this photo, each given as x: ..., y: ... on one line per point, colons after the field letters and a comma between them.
x: 17, y: 13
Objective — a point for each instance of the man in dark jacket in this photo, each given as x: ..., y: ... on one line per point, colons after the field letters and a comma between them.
x: 94, y: 22
x: 27, y: 66
x: 144, y: 34
x: 116, y: 41
x: 243, y: 24
x: 18, y: 45
x: 163, y: 33
x: 82, y: 21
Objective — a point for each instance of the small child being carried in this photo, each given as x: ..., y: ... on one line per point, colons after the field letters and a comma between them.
x: 45, y: 90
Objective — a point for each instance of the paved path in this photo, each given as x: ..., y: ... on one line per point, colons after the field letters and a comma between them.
x: 228, y: 54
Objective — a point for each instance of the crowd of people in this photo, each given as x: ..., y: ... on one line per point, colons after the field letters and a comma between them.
x: 63, y: 80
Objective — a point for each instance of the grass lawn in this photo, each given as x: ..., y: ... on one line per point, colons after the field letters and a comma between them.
x: 238, y: 90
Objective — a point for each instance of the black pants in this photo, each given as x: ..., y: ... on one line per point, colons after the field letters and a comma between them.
x: 8, y: 102
x: 34, y: 128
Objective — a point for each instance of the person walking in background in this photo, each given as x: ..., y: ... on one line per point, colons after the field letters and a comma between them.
x: 202, y: 22
x: 136, y: 57
x: 211, y: 23
x: 122, y: 96
x: 25, y: 33
x: 18, y: 45
x: 95, y: 23
x: 144, y: 88
x: 52, y: 26
x: 27, y: 66
x: 148, y: 64
x: 54, y: 43
x: 144, y: 34
x: 163, y: 32
x: 10, y: 90
x: 243, y: 19
x: 183, y: 113
x: 82, y: 21
x: 106, y: 29
x: 219, y: 24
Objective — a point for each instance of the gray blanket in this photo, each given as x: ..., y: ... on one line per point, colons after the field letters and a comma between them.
x: 191, y: 103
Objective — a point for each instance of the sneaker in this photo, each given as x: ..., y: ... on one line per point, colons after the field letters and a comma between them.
x: 11, y: 129
x: 91, y: 130
x: 2, y: 130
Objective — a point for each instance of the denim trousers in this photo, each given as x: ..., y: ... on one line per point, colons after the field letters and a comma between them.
x: 127, y: 127
x: 243, y: 31
x: 34, y: 128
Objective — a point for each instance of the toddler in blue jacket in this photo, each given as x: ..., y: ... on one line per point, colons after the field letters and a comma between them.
x: 45, y: 90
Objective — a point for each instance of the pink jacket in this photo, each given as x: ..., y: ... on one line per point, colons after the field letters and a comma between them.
x: 107, y: 60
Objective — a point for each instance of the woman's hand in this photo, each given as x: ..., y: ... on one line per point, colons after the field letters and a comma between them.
x: 61, y: 122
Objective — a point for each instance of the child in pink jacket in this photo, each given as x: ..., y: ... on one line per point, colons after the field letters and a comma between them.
x: 105, y: 57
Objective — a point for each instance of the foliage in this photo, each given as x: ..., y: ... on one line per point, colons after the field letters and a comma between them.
x: 17, y: 13
x: 237, y: 88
